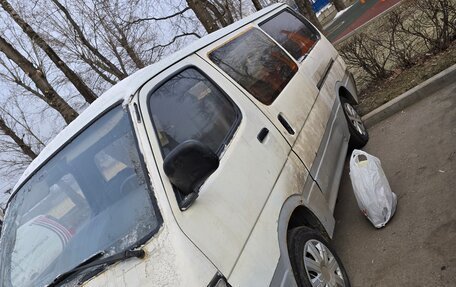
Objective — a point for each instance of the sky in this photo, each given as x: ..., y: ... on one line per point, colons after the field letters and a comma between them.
x: 48, y: 123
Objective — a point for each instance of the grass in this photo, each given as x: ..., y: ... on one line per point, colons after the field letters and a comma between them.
x: 378, y: 93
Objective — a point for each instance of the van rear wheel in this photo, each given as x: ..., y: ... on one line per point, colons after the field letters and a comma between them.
x: 314, y: 261
x: 358, y: 131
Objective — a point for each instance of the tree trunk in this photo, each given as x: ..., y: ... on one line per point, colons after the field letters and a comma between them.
x: 305, y: 8
x: 77, y: 82
x: 51, y: 97
x: 203, y: 15
x: 219, y: 16
x: 25, y: 148
x: 105, y: 63
x: 257, y: 4
x: 339, y: 4
x: 222, y: 10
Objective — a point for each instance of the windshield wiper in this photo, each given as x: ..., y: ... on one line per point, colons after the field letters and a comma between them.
x: 95, y: 260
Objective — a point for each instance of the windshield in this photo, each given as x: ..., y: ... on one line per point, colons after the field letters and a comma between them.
x: 91, y: 196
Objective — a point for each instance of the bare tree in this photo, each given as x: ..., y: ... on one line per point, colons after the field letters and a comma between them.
x: 403, y: 47
x: 98, y: 62
x: 100, y: 41
x: 432, y: 21
x: 20, y: 122
x: 215, y: 14
x: 85, y: 91
x: 118, y: 31
x: 365, y: 51
x: 153, y: 19
x: 257, y: 5
x: 20, y: 142
x: 204, y: 16
x: 115, y: 38
x: 25, y: 148
x: 13, y: 160
x: 49, y: 95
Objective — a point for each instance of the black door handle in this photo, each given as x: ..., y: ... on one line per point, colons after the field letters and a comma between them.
x: 262, y: 134
x: 285, y: 124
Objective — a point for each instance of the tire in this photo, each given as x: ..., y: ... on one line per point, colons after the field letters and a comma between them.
x: 358, y: 131
x: 314, y: 261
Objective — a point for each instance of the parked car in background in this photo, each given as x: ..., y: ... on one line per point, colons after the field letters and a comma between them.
x: 218, y: 166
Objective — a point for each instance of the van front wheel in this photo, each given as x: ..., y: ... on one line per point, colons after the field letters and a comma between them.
x: 358, y: 131
x: 314, y: 261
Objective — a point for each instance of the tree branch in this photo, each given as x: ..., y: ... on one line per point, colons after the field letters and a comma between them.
x: 112, y: 68
x: 139, y: 20
x: 77, y: 82
x: 173, y: 40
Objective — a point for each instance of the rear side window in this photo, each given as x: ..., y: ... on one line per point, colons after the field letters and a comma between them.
x: 188, y: 106
x: 257, y: 63
x: 295, y: 35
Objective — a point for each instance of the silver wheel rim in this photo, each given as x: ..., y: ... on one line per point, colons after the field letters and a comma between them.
x: 354, y: 119
x: 322, y: 268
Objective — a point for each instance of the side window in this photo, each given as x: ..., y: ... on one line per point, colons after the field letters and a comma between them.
x: 189, y: 106
x: 258, y: 64
x: 295, y: 35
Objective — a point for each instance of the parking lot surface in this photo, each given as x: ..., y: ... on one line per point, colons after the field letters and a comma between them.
x: 356, y: 16
x: 417, y: 247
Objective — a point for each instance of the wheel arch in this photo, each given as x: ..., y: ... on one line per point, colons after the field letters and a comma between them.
x: 302, y: 216
x: 294, y: 213
x: 346, y: 88
x: 343, y: 92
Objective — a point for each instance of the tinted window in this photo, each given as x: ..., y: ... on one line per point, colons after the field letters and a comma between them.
x: 296, y: 36
x: 92, y: 196
x: 257, y: 64
x: 189, y: 106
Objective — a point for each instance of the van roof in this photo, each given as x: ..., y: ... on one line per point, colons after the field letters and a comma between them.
x: 123, y: 90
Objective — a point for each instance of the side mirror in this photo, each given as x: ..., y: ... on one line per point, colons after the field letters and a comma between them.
x: 189, y: 165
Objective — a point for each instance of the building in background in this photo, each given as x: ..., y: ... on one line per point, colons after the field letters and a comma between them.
x: 318, y: 5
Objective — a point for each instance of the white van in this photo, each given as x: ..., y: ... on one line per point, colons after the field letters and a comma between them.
x: 218, y: 166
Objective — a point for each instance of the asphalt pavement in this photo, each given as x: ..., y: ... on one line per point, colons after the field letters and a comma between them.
x: 417, y: 147
x: 357, y: 15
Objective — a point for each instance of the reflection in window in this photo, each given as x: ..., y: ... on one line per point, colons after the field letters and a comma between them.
x: 257, y: 64
x: 189, y: 106
x: 109, y: 161
x: 297, y: 37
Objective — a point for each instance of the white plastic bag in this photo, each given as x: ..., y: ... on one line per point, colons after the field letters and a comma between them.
x: 372, y: 191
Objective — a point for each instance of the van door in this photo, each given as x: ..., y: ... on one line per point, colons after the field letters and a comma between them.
x: 192, y: 100
x: 267, y: 75
x: 322, y: 143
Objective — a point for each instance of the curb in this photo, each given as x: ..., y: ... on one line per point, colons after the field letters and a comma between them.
x: 411, y: 96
